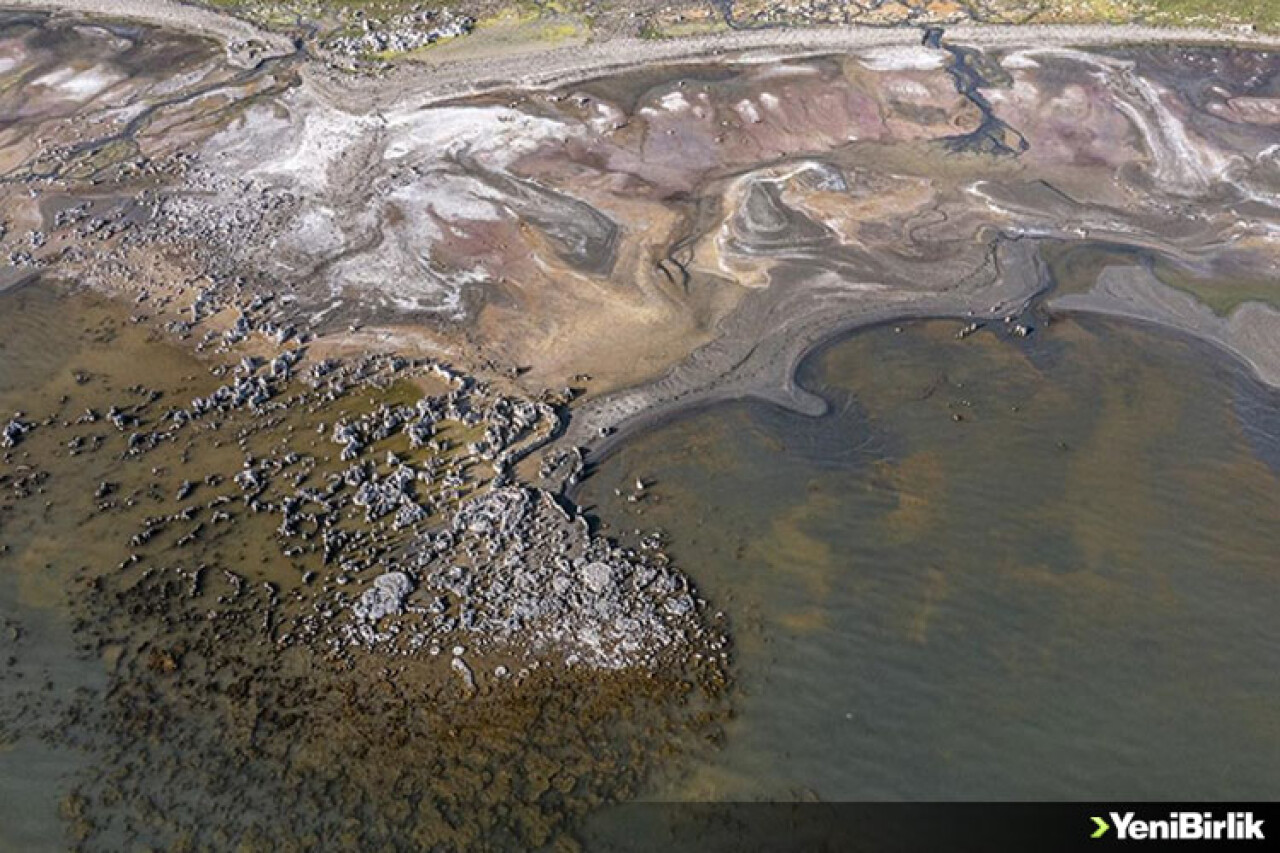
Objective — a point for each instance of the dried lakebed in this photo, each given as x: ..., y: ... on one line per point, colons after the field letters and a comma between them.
x: 287, y: 554
x: 656, y: 238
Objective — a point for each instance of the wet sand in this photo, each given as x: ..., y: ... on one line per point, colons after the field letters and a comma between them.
x: 1247, y: 333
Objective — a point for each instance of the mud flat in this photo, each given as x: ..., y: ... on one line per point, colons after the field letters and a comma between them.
x: 409, y: 310
x: 759, y: 359
x: 653, y: 240
x: 689, y: 229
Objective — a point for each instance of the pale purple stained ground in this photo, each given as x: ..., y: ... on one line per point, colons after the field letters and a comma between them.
x: 594, y: 229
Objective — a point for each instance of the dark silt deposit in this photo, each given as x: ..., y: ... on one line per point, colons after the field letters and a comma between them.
x: 996, y: 569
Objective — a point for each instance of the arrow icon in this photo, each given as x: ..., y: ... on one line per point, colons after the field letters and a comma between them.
x: 1102, y: 825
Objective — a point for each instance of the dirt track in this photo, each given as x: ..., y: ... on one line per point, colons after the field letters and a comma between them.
x: 557, y: 67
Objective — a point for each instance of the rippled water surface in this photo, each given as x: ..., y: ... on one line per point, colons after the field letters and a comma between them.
x: 45, y: 342
x: 997, y: 569
x: 1043, y: 569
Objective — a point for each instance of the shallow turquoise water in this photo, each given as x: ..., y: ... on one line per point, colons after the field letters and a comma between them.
x: 1042, y: 569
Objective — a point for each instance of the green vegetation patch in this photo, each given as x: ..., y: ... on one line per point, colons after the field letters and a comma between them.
x: 1263, y: 14
x: 1221, y: 294
x: 1075, y: 268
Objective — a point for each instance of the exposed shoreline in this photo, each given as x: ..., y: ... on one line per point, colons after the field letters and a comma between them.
x: 768, y: 370
x: 1257, y: 357
x: 1135, y: 296
x: 602, y: 425
x: 757, y: 349
x: 442, y: 552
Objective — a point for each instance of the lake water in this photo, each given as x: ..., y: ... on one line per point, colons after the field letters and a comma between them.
x: 996, y: 569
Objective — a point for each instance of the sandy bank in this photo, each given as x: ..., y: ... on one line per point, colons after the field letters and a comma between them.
x: 761, y: 346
